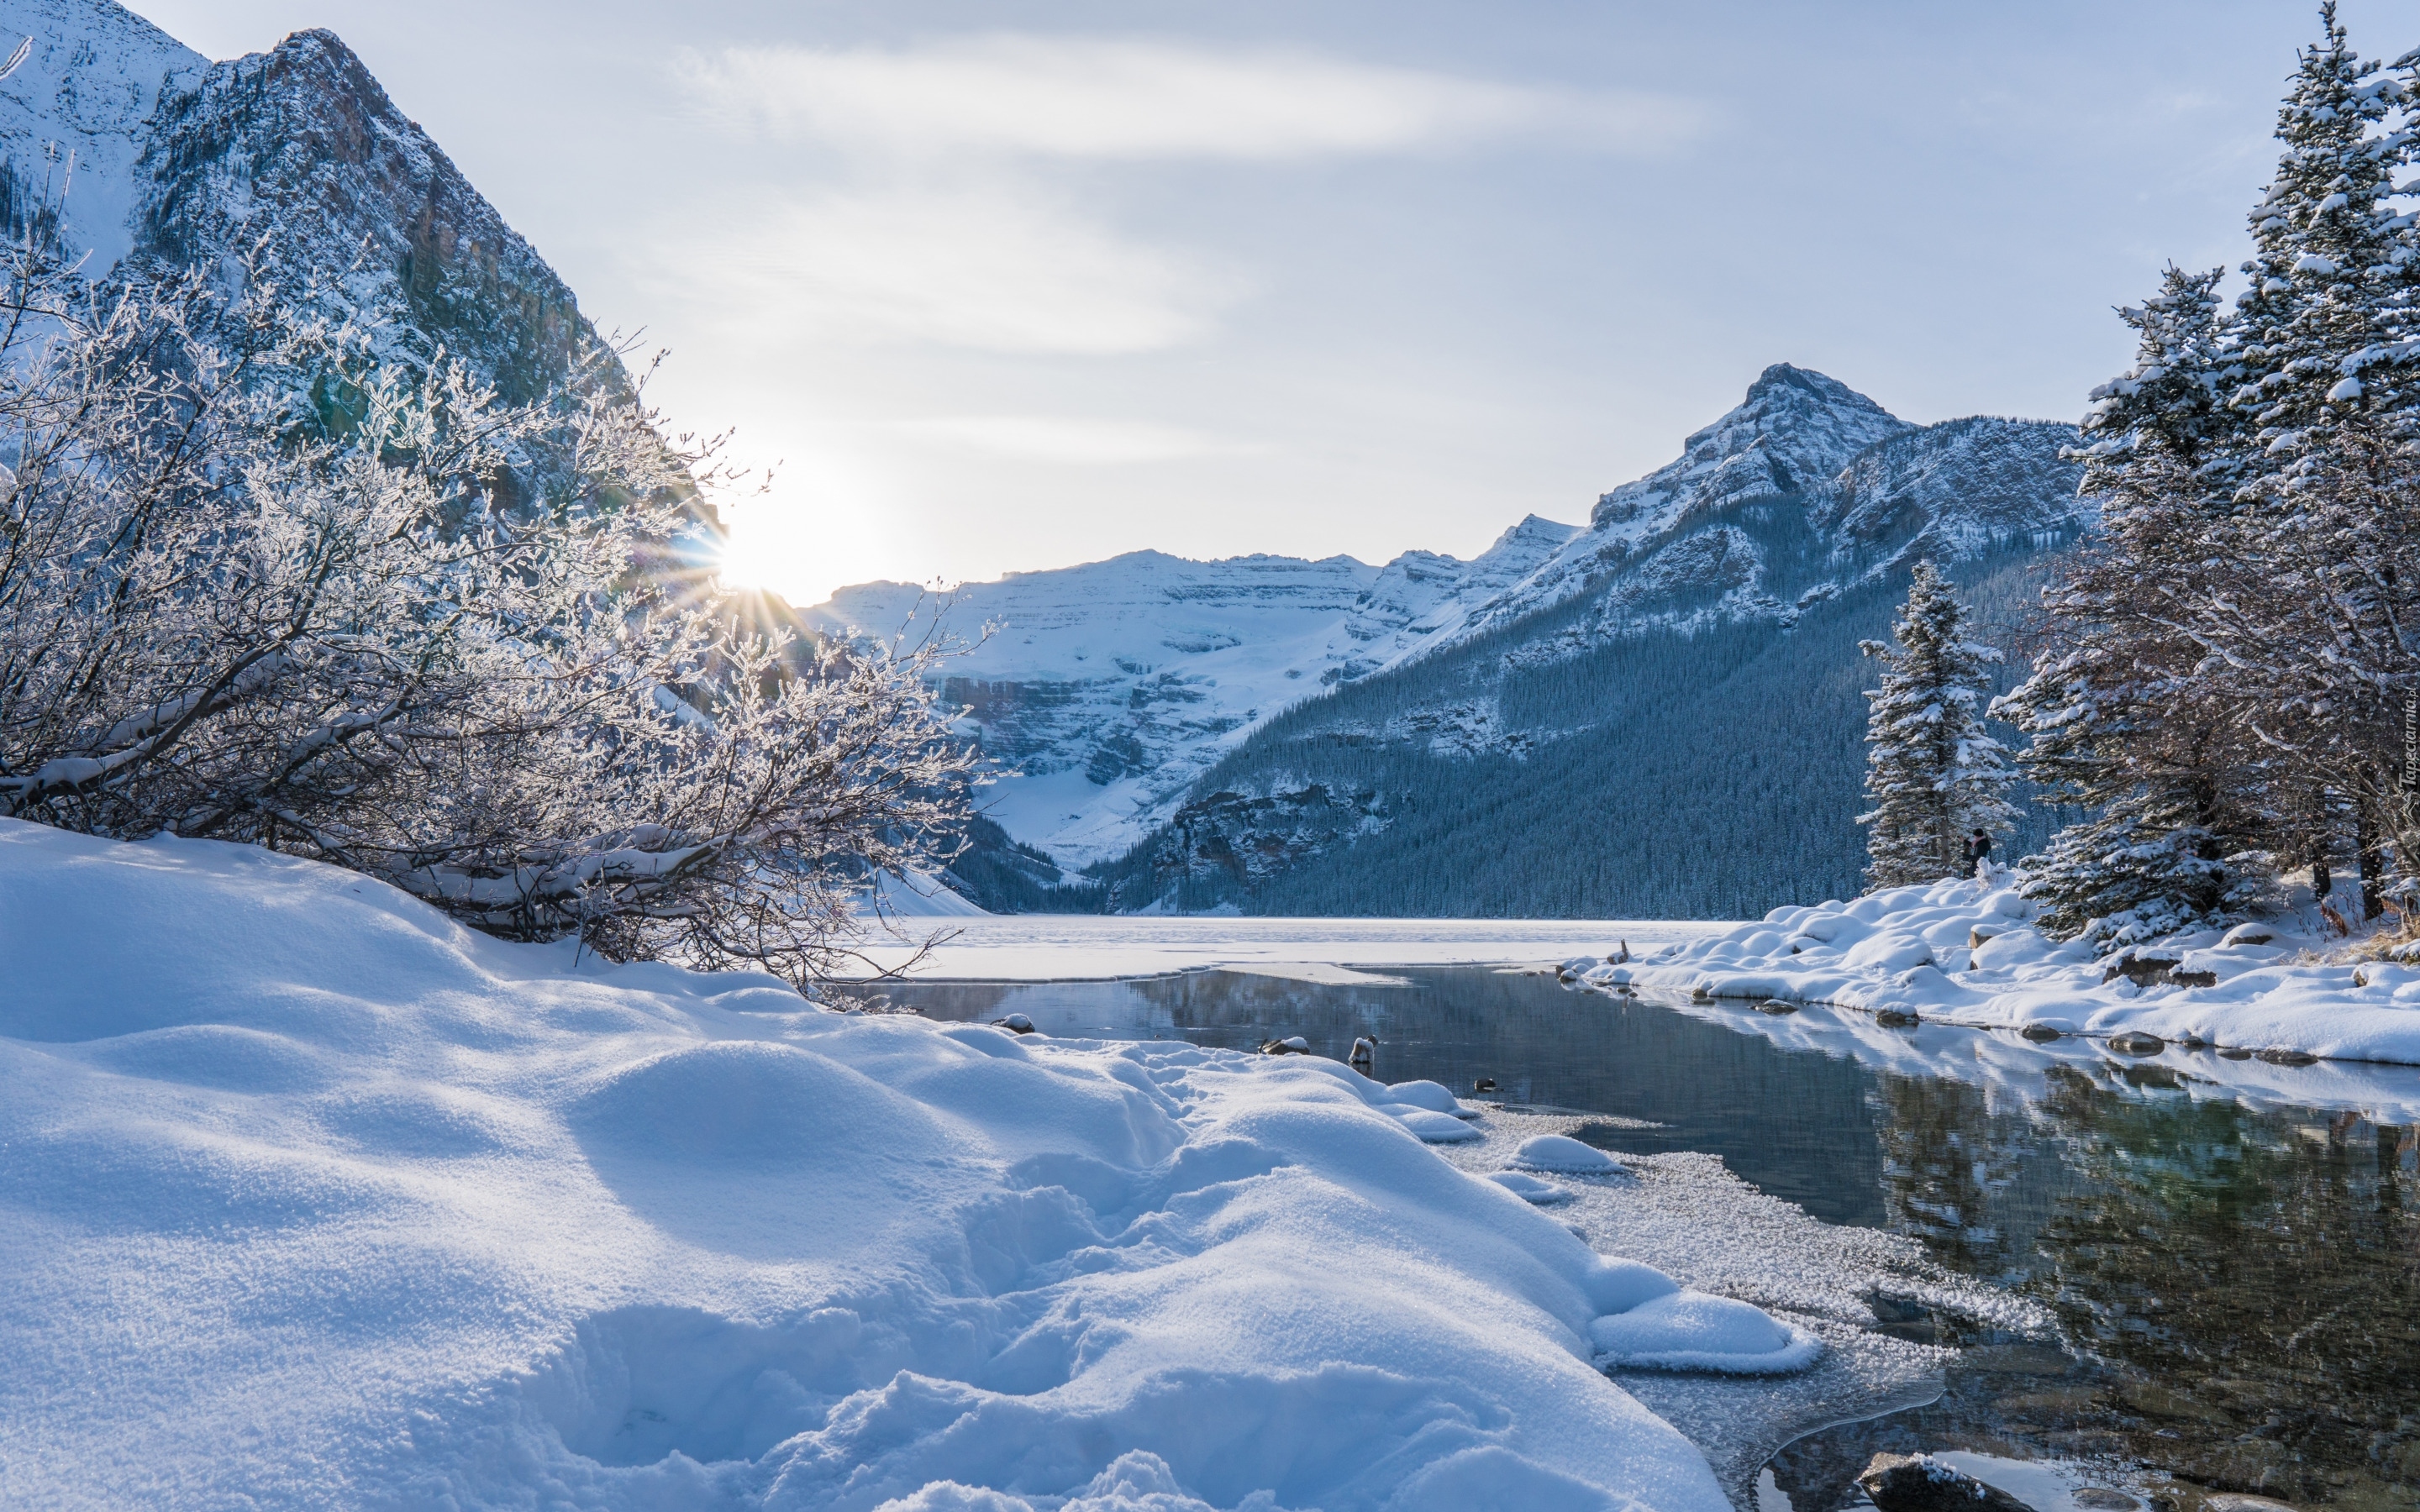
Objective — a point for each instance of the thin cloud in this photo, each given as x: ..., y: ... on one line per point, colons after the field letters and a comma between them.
x: 1091, y: 98
x: 1074, y: 440
x: 973, y: 269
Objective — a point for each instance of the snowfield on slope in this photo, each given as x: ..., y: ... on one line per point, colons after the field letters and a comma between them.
x: 313, y: 1198
x: 1963, y: 952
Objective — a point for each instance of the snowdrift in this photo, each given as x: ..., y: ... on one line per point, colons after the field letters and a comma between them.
x: 1963, y: 952
x: 313, y: 1198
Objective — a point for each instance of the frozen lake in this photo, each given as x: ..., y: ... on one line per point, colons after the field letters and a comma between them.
x: 1089, y: 947
x: 2231, y: 1249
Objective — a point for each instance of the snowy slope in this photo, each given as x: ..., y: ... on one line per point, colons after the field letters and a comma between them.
x: 312, y: 1198
x: 87, y: 92
x: 1109, y: 687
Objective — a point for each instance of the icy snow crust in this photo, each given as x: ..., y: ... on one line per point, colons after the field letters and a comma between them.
x: 1964, y: 951
x: 313, y: 1198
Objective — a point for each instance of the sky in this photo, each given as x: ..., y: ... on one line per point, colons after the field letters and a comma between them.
x: 992, y: 288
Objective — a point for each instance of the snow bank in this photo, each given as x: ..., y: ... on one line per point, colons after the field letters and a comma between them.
x: 1964, y: 952
x: 312, y: 1198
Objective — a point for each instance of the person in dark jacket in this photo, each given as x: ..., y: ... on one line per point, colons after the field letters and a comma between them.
x: 1978, y: 852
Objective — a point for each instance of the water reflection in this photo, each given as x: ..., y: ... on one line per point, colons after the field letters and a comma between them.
x: 2232, y: 1248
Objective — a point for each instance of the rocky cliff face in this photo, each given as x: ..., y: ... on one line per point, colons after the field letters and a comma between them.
x: 293, y: 163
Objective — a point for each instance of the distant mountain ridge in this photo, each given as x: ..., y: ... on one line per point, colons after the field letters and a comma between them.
x: 1112, y: 685
x: 1664, y: 718
x: 1170, y: 713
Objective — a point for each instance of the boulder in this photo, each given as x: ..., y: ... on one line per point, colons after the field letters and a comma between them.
x: 1897, y: 1018
x: 1776, y: 1005
x: 1919, y: 1483
x: 2141, y: 967
x: 2040, y: 1033
x: 2135, y: 1043
x: 2289, y: 1057
x: 2248, y: 934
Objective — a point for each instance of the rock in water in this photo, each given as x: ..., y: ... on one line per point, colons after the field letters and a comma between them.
x: 1919, y: 1483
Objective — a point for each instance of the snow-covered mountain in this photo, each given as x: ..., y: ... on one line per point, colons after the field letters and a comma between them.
x: 1706, y: 538
x: 1110, y: 687
x: 151, y: 154
x: 1113, y: 687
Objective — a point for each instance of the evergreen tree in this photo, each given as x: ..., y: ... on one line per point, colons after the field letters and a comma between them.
x: 2125, y: 709
x: 1932, y: 772
x: 2226, y: 660
x: 2333, y: 273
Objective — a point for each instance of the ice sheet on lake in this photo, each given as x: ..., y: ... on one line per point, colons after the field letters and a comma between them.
x: 1081, y: 946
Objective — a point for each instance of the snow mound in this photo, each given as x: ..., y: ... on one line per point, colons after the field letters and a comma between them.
x: 1530, y: 1188
x: 1566, y: 1155
x: 1429, y: 1095
x: 492, y: 1225
x: 1693, y: 1331
x: 1435, y: 1128
x: 1966, y: 951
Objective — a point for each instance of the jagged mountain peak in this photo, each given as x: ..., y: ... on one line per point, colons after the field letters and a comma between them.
x: 293, y: 162
x: 1794, y: 429
x: 1788, y: 378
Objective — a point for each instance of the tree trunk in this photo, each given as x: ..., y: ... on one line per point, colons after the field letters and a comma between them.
x: 2372, y: 857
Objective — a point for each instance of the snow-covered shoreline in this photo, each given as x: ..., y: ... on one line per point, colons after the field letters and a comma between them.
x: 1965, y: 952
x: 312, y: 1198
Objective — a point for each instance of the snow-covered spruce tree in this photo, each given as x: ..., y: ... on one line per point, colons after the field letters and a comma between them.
x: 2229, y: 658
x: 2305, y: 630
x: 2126, y: 711
x: 1932, y: 773
x: 223, y: 616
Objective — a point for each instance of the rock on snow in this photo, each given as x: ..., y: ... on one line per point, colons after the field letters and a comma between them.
x: 312, y: 1198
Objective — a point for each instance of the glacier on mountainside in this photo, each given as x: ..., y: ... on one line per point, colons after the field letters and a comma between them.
x: 1109, y: 687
